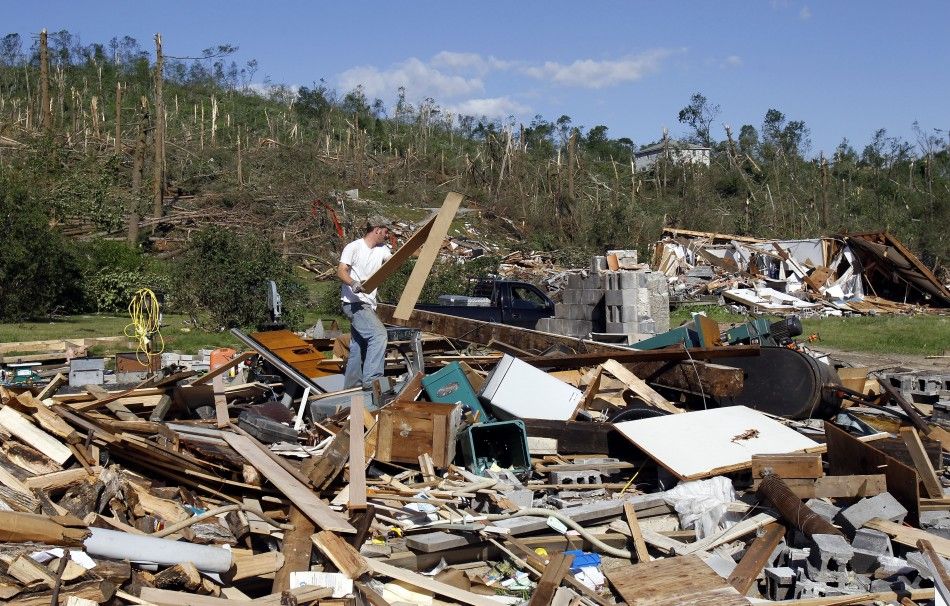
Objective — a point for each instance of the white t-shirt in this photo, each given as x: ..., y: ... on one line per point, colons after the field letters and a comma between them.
x: 363, y: 262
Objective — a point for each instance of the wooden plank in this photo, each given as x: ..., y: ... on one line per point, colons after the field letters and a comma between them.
x: 940, y: 574
x: 296, y: 548
x: 222, y: 418
x: 343, y: 555
x: 20, y: 426
x: 908, y: 535
x: 52, y: 387
x: 861, y: 598
x: 554, y: 572
x: 220, y: 370
x: 399, y: 258
x: 789, y: 465
x: 922, y: 462
x: 679, y: 581
x: 835, y: 487
x: 848, y: 455
x: 756, y: 557
x: 414, y: 578
x: 639, y: 545
x: 428, y: 254
x: 592, y: 388
x: 315, y: 509
x: 165, y: 597
x: 357, y: 495
x: 639, y: 387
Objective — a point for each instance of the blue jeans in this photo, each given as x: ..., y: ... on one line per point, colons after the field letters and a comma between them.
x: 368, y: 340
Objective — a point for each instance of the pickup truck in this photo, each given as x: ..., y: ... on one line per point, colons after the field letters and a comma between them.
x: 501, y: 301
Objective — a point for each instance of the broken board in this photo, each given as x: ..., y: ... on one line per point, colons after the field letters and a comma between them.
x: 679, y: 581
x: 710, y: 442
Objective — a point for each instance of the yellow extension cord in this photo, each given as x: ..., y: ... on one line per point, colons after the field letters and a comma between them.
x: 146, y: 316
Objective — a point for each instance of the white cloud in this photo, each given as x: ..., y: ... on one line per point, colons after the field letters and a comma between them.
x: 732, y: 61
x: 472, y: 62
x: 588, y: 73
x: 419, y: 79
x: 805, y: 13
x: 493, y: 107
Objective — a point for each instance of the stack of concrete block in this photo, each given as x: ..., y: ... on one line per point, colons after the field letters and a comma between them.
x: 580, y: 311
x: 634, y: 302
x: 637, y: 304
x: 921, y: 387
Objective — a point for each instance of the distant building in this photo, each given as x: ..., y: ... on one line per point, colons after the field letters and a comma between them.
x: 679, y: 152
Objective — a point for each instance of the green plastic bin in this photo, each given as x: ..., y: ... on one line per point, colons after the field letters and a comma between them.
x: 450, y: 385
x: 504, y: 443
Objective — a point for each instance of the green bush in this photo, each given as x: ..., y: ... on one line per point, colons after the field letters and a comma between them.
x: 112, y: 290
x: 221, y: 281
x: 40, y: 276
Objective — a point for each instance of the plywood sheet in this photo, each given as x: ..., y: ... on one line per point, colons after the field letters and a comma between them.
x: 705, y: 443
x: 680, y: 581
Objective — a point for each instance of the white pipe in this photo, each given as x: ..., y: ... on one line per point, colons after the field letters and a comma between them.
x: 117, y: 545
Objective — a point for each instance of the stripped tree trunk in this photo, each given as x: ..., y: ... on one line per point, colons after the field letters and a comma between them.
x: 46, y: 113
x: 138, y: 170
x: 158, y: 168
x: 118, y: 117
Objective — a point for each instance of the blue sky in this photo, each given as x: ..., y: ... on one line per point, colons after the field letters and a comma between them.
x: 845, y: 68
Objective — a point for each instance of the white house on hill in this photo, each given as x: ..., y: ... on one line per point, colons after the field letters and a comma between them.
x: 678, y: 152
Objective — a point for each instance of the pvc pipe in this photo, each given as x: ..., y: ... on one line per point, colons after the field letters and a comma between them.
x: 117, y: 545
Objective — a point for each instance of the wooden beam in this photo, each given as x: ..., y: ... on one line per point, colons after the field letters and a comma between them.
x: 220, y: 370
x: 296, y: 549
x: 301, y: 496
x: 627, y: 356
x: 554, y: 572
x: 639, y: 387
x: 695, y: 377
x: 428, y: 255
x: 922, y: 462
x: 399, y: 258
x: 941, y: 577
x: 908, y: 535
x: 30, y: 434
x: 756, y: 557
x: 639, y: 545
x: 222, y: 419
x: 428, y: 583
x: 343, y: 555
x: 357, y: 498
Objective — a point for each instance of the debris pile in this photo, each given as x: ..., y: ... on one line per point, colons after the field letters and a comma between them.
x: 566, y: 472
x: 849, y: 274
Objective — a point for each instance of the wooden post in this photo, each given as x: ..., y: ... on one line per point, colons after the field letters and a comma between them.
x: 571, y: 145
x: 357, y: 455
x: 158, y: 167
x: 46, y: 113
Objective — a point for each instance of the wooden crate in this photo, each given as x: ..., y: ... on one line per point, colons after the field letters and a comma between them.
x: 409, y: 429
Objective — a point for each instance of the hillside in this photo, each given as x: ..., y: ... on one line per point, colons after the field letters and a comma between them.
x: 104, y: 142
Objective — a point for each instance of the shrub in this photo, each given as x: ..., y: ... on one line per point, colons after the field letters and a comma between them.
x: 221, y: 281
x: 39, y: 274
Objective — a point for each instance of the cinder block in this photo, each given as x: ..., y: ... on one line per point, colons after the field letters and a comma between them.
x: 590, y: 296
x: 581, y: 477
x: 595, y: 281
x: 569, y: 296
x: 780, y: 583
x: 598, y: 263
x: 631, y: 280
x: 823, y: 508
x: 611, y: 280
x: 579, y: 328
x: 883, y: 506
x: 828, y: 559
x: 869, y: 545
x: 575, y: 281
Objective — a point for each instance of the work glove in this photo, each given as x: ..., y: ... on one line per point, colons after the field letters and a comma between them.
x: 356, y: 287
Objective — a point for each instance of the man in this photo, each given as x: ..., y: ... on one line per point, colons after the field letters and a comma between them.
x: 360, y: 260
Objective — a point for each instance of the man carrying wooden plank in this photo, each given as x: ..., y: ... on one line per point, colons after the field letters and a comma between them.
x: 360, y: 260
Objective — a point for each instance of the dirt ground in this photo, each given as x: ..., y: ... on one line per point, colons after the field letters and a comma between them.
x: 876, y: 361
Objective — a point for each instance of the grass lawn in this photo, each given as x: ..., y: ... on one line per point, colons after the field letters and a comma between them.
x: 924, y: 334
